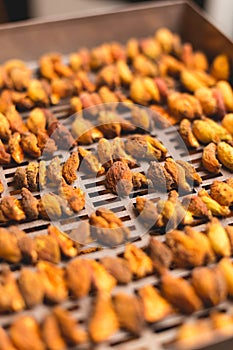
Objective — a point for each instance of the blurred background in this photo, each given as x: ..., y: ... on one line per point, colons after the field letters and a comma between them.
x: 220, y: 12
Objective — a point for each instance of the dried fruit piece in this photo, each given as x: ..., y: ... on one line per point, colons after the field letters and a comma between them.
x: 27, y: 248
x: 32, y: 176
x: 54, y: 171
x: 222, y: 193
x: 10, y: 297
x: 30, y: 145
x: 226, y: 267
x: 160, y: 254
x: 218, y: 238
x: 209, y: 160
x: 227, y: 122
x: 220, y: 67
x: 180, y: 294
x: 85, y: 132
x: 140, y: 264
x: 29, y: 204
x: 37, y: 93
x: 15, y: 148
x: 5, y: 157
x: 139, y: 180
x: 155, y: 307
x: 49, y: 207
x: 227, y: 94
x: 30, y: 287
x: 105, y: 152
x: 108, y: 228
x: 5, y: 131
x: 212, y: 205
x: 144, y: 67
x: 53, y: 282
x: 210, y: 285
x: 145, y: 147
x: 222, y: 323
x: 66, y: 245
x: 78, y: 277
x: 141, y: 118
x: 191, y: 174
x: 25, y: 334
x: 129, y: 312
x: 36, y: 120
x: 194, y: 334
x: 9, y: 249
x: 103, y: 322
x: 178, y: 175
x: 165, y: 38
x: 119, y: 179
x: 70, y: 167
x: 15, y: 120
x: 47, y: 248
x: 161, y: 178
x: 190, y: 80
x: 183, y: 105
x: 74, y: 196
x: 148, y: 213
x: 225, y: 154
x: 207, y: 131
x: 51, y: 333
x: 204, y: 243
x: 119, y: 268
x: 187, y: 134
x: 119, y: 154
x: 69, y: 327
x: 11, y: 208
x: 89, y: 162
x: 101, y: 279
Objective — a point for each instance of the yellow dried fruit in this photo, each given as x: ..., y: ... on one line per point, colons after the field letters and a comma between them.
x: 187, y: 134
x: 220, y: 67
x: 226, y: 266
x: 140, y: 264
x: 207, y: 131
x: 225, y: 154
x: 212, y: 205
x: 222, y: 193
x: 218, y: 238
x: 227, y: 93
x: 227, y: 123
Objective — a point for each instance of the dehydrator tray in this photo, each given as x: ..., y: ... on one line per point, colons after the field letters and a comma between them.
x: 30, y: 40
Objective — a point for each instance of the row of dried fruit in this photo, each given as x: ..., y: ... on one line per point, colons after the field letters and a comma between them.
x: 207, y: 286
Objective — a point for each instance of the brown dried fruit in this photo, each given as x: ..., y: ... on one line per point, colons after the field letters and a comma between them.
x: 60, y: 134
x: 89, y: 162
x: 66, y: 245
x: 78, y: 277
x: 70, y: 167
x: 129, y: 312
x: 119, y: 179
x: 10, y: 297
x: 139, y: 181
x: 218, y: 238
x: 160, y: 177
x: 190, y: 172
x: 32, y: 176
x: 103, y: 322
x: 183, y: 105
x: 180, y: 294
x: 119, y: 154
x: 47, y: 248
x: 30, y: 287
x: 45, y: 143
x: 145, y: 147
x: 209, y: 160
x: 54, y: 171
x: 27, y: 246
x: 215, y: 208
x: 160, y: 254
x: 5, y: 157
x: 11, y: 208
x: 69, y: 327
x: 30, y: 145
x: 119, y: 268
x: 222, y: 193
x: 25, y: 334
x: 51, y: 333
x: 53, y: 281
x: 155, y: 307
x: 74, y: 196
x: 187, y: 134
x: 5, y: 131
x: 178, y: 175
x: 108, y: 228
x: 225, y: 155
x: 141, y: 118
x: 15, y: 120
x: 140, y: 264
x: 29, y: 204
x: 196, y: 206
x: 105, y: 152
x: 147, y: 211
x: 210, y: 285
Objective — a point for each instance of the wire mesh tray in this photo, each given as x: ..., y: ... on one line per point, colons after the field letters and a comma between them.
x: 65, y: 36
